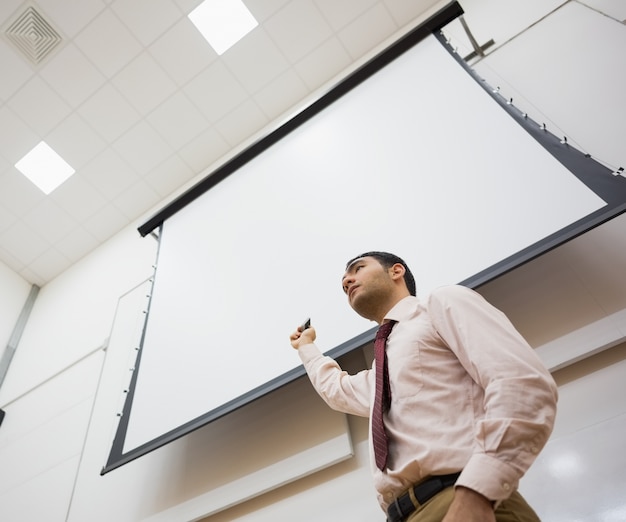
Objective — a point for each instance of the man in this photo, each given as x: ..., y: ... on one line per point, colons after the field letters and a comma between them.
x: 471, y: 404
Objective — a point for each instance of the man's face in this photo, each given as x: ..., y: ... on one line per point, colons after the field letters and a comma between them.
x: 367, y: 284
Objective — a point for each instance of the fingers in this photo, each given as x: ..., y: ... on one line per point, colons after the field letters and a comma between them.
x: 300, y: 337
x: 294, y: 338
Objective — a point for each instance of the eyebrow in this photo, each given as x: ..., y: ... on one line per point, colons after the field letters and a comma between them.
x: 350, y: 267
x: 353, y: 263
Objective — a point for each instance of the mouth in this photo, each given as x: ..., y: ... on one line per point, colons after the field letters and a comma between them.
x: 351, y: 291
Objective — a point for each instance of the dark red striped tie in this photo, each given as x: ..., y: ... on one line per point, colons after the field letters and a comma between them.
x: 382, y: 398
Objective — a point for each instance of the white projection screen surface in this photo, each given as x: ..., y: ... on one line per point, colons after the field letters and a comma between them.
x: 418, y: 159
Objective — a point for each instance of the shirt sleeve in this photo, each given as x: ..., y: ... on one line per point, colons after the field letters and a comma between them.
x: 341, y: 391
x: 519, y: 393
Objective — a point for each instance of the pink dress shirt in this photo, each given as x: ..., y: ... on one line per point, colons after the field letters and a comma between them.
x: 467, y: 393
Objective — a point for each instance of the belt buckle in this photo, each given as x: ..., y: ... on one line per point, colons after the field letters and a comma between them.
x: 395, y: 513
x: 400, y: 513
x: 420, y: 494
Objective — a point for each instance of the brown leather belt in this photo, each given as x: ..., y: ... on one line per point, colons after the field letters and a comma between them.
x: 403, y: 506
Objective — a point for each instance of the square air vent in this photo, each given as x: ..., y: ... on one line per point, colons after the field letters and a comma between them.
x: 33, y: 35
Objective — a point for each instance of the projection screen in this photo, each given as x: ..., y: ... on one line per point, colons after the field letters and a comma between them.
x: 416, y: 158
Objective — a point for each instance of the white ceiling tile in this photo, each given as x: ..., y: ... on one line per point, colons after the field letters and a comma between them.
x: 16, y: 138
x: 78, y: 197
x: 4, y: 165
x: 168, y: 176
x: 616, y: 10
x: 186, y: 6
x: 7, y: 218
x: 10, y: 260
x: 72, y: 75
x: 109, y: 174
x: 75, y: 141
x: 70, y: 15
x: 39, y: 106
x: 206, y: 149
x: 340, y: 14
x: 76, y: 244
x: 298, y: 28
x: 177, y: 120
x: 142, y: 148
x: 8, y: 9
x: 50, y: 220
x: 323, y: 63
x: 136, y: 200
x: 17, y: 193
x: 281, y: 94
x: 367, y: 31
x: 15, y: 71
x: 147, y: 19
x: 30, y: 276
x: 182, y: 52
x: 108, y: 43
x: 263, y: 9
x: 144, y: 83
x: 404, y: 12
x: 47, y: 266
x: 24, y: 243
x: 215, y: 91
x: 106, y: 222
x: 109, y: 113
x: 255, y: 60
x: 241, y: 123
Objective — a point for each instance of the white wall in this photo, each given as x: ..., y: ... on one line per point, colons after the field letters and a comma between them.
x: 49, y: 391
x: 13, y: 294
x: 62, y: 387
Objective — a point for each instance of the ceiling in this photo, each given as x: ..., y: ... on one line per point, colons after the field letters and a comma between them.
x: 140, y: 105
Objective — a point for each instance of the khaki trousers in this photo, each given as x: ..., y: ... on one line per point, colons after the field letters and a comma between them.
x: 513, y: 509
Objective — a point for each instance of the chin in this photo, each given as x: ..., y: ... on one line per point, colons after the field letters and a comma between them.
x: 362, y: 312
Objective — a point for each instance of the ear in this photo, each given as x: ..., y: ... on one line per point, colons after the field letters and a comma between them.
x: 397, y: 271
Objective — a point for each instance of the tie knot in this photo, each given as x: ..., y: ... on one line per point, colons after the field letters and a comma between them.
x: 384, y: 330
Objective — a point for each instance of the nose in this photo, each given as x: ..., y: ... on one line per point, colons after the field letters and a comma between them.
x: 347, y: 280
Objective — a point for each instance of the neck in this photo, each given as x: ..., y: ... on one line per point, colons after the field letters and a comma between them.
x: 384, y: 310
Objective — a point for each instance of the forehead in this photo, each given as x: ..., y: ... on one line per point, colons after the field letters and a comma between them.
x: 352, y: 264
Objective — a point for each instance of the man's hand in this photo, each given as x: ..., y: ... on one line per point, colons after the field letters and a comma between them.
x: 469, y: 506
x: 300, y: 338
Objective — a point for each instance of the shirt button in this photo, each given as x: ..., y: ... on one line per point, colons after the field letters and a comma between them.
x: 534, y: 449
x: 506, y: 486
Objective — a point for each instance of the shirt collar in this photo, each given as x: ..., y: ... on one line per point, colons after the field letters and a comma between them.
x: 402, y: 309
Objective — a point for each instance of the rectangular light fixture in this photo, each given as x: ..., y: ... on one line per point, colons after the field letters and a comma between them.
x: 44, y: 167
x: 223, y: 22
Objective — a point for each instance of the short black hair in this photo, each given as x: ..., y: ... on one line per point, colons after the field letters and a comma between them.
x: 387, y: 260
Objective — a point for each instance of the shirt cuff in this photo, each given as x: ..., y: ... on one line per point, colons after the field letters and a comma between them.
x: 490, y: 477
x: 308, y: 353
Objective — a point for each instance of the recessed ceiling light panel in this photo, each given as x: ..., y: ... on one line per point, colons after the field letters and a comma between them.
x: 44, y: 167
x: 223, y: 22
